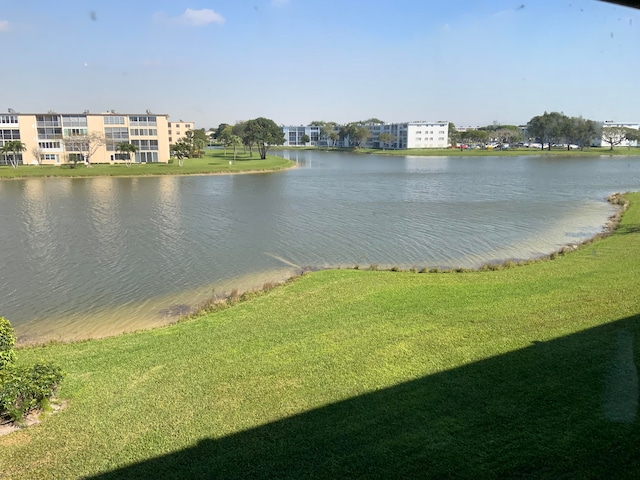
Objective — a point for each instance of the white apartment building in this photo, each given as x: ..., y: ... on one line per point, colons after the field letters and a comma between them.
x: 624, y: 143
x: 293, y: 136
x: 57, y: 138
x: 407, y: 135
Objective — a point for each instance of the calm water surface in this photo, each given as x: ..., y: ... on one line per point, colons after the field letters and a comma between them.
x: 91, y: 257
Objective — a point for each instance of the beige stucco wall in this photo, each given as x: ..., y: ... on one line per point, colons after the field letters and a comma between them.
x: 28, y: 127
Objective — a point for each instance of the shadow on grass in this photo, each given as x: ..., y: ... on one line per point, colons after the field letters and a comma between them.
x: 635, y: 228
x: 564, y: 408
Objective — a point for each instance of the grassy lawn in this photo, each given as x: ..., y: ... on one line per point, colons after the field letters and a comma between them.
x: 213, y: 162
x: 529, y: 371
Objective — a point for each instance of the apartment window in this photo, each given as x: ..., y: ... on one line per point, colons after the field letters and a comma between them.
x: 146, y: 157
x: 149, y: 121
x: 441, y: 132
x: 74, y: 132
x: 74, y: 121
x: 145, y: 132
x: 48, y: 120
x: 114, y: 120
x: 170, y: 140
x: 10, y: 134
x: 145, y: 144
x: 50, y: 156
x: 49, y: 145
x: 115, y: 135
x: 440, y: 138
x: 10, y: 119
x: 49, y: 133
x: 419, y: 132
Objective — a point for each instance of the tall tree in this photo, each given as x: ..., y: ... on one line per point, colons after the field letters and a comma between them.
x: 6, y: 150
x: 264, y: 132
x: 372, y: 121
x: 225, y: 137
x: 386, y: 137
x: 197, y: 140
x: 16, y: 147
x: 126, y: 149
x: 84, y: 145
x: 360, y: 135
x: 234, y: 141
x: 37, y: 154
x: 305, y: 139
x: 614, y: 135
x: 548, y: 128
x: 220, y: 130
x: 180, y: 150
x: 240, y: 129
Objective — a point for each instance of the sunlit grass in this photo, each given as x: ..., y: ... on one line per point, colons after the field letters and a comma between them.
x: 354, y: 373
x: 214, y: 161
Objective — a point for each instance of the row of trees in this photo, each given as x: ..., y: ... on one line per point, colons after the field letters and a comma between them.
x: 554, y: 128
x: 11, y: 151
x: 260, y: 132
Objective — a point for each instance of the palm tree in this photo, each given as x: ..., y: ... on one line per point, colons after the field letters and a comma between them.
x: 16, y: 147
x: 126, y: 149
x: 234, y: 141
x: 6, y: 149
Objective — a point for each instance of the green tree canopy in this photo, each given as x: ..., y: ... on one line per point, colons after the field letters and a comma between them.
x: 264, y: 132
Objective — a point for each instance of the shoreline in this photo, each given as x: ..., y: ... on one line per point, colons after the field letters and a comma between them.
x: 234, y: 296
x: 198, y: 174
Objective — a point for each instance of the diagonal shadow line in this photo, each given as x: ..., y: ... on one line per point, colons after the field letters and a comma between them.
x: 545, y: 411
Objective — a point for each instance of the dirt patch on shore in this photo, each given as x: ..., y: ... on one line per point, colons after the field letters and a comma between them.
x: 33, y: 418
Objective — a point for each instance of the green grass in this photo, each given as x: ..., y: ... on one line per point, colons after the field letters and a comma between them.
x: 213, y: 162
x: 527, y: 371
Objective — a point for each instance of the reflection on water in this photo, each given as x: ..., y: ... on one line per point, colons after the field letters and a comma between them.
x: 96, y: 256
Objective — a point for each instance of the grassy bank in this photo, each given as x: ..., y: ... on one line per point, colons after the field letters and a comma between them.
x: 214, y: 162
x: 523, y: 372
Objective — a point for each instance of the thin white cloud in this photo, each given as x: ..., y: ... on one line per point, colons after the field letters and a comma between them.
x: 4, y: 26
x: 279, y: 3
x: 191, y: 17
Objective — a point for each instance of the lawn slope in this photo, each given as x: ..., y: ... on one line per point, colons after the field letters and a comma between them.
x: 527, y: 371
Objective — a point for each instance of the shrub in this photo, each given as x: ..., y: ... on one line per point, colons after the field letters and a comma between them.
x: 7, y: 342
x: 23, y: 388
x: 373, y: 266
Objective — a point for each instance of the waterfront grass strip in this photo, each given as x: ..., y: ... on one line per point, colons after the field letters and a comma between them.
x: 366, y: 374
x: 213, y: 162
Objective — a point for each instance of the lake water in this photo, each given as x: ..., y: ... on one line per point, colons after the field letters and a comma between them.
x: 92, y: 257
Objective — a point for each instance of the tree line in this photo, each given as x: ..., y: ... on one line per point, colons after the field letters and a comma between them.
x: 260, y: 132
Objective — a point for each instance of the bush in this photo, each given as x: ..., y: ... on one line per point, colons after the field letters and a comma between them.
x: 23, y: 388
x: 7, y: 342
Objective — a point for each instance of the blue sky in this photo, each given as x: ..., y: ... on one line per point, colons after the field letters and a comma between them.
x: 471, y: 62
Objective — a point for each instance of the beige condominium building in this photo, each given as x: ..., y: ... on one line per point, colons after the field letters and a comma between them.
x: 178, y: 130
x: 57, y: 138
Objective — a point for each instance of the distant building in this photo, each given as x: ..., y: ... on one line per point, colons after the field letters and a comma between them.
x: 407, y: 135
x: 48, y: 136
x: 177, y: 130
x: 624, y: 143
x: 293, y: 136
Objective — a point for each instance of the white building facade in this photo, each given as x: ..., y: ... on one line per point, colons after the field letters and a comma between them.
x: 407, y: 135
x: 625, y: 142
